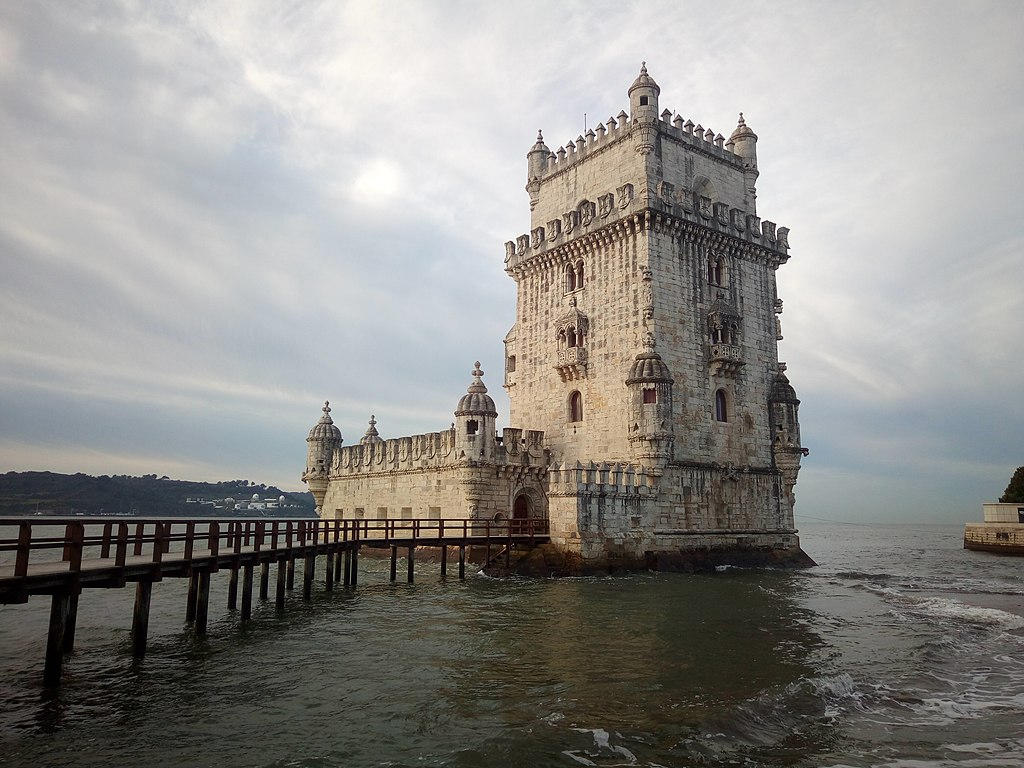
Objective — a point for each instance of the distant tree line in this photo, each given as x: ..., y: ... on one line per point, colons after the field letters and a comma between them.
x: 1014, y: 493
x: 24, y: 494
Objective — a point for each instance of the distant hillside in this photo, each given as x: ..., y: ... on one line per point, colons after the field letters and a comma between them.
x: 49, y: 493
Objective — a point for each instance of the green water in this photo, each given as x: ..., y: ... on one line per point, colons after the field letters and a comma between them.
x: 896, y: 651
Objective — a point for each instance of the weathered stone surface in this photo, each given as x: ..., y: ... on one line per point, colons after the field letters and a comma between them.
x: 652, y: 414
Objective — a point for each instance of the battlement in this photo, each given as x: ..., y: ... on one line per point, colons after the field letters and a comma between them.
x: 435, y: 449
x: 620, y: 213
x: 620, y: 126
x: 609, y: 479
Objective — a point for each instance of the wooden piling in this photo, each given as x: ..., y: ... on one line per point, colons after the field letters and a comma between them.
x: 462, y: 561
x: 290, y: 581
x: 190, y: 599
x: 54, y: 663
x: 282, y: 567
x: 140, y: 618
x: 308, y: 569
x: 394, y: 562
x: 347, y: 570
x: 233, y: 588
x: 246, y: 592
x: 329, y: 572
x: 71, y: 622
x: 410, y: 562
x: 355, y: 566
x: 337, y: 566
x: 264, y: 580
x: 202, y: 602
x: 444, y: 560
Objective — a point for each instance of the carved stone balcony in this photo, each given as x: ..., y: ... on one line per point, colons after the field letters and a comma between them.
x: 726, y: 359
x: 572, y: 363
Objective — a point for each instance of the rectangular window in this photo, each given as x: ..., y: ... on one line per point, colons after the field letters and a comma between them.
x: 339, y: 514
x: 407, y: 513
x: 382, y: 513
x: 650, y: 395
x: 511, y: 364
x: 359, y: 513
x: 434, y: 513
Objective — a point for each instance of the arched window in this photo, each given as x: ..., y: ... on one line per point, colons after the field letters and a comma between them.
x: 576, y: 407
x: 570, y: 337
x: 721, y: 410
x: 472, y: 426
x: 521, y: 507
x: 579, y: 274
x: 570, y: 278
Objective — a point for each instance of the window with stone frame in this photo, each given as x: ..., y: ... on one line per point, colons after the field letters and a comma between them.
x: 721, y: 406
x: 575, y: 407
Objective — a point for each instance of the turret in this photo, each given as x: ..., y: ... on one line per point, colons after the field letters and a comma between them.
x: 650, y: 406
x: 643, y: 97
x: 474, y: 420
x: 324, y: 439
x: 743, y: 142
x: 372, y: 435
x: 536, y: 165
x: 783, y: 414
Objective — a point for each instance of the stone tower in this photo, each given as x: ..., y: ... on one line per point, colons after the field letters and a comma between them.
x: 646, y: 336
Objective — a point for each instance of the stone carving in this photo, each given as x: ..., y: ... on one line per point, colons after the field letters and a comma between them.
x: 586, y: 211
x: 604, y: 205
x: 569, y: 221
x: 667, y: 192
x: 537, y: 237
x: 554, y: 230
x: 625, y: 193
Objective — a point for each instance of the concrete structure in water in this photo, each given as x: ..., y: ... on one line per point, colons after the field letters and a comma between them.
x: 1002, y: 531
x: 654, y: 421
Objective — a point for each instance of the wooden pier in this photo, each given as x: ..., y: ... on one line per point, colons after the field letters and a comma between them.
x: 109, y: 553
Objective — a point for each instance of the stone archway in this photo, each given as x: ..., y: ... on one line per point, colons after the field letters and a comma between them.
x: 521, y: 507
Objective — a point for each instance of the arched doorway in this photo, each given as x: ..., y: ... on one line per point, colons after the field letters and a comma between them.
x: 520, y: 510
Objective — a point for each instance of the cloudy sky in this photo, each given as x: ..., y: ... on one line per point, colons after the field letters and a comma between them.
x: 215, y: 215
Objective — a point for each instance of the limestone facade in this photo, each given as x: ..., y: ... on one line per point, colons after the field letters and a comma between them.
x: 652, y: 412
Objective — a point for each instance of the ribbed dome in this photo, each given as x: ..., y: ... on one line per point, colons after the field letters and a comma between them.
x: 325, y: 429
x: 372, y: 435
x: 644, y: 80
x: 742, y: 130
x: 648, y: 367
x: 476, y: 401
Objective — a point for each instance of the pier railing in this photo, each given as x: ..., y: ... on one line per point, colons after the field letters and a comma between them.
x: 118, y: 539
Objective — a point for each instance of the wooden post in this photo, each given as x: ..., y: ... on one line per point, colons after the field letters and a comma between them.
x: 246, y: 592
x: 394, y: 562
x: 233, y: 587
x: 309, y: 566
x: 72, y: 620
x: 24, y: 548
x: 347, y: 570
x: 329, y: 575
x: 108, y: 529
x: 355, y: 566
x: 410, y: 562
x: 462, y: 561
x: 282, y: 567
x: 140, y: 619
x: 121, y: 550
x: 203, y: 602
x: 264, y: 580
x: 55, y: 640
x: 444, y: 560
x: 337, y: 566
x: 290, y: 584
x: 140, y: 528
x: 190, y: 600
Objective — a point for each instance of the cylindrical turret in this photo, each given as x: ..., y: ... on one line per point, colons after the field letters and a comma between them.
x: 743, y: 142
x: 372, y: 435
x: 537, y: 159
x: 324, y: 439
x: 650, y: 382
x: 474, y: 420
x: 643, y: 97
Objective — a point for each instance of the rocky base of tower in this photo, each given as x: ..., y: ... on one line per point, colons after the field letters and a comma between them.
x: 552, y: 560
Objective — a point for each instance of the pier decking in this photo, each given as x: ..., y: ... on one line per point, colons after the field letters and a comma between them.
x: 98, y: 553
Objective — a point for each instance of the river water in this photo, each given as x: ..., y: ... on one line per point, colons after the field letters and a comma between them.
x: 900, y: 649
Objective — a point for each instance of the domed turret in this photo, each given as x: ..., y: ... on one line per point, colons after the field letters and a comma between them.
x: 537, y: 158
x: 784, y: 419
x: 643, y: 97
x: 744, y: 141
x: 474, y: 420
x: 324, y: 439
x: 371, y: 436
x: 476, y: 401
x: 650, y: 382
